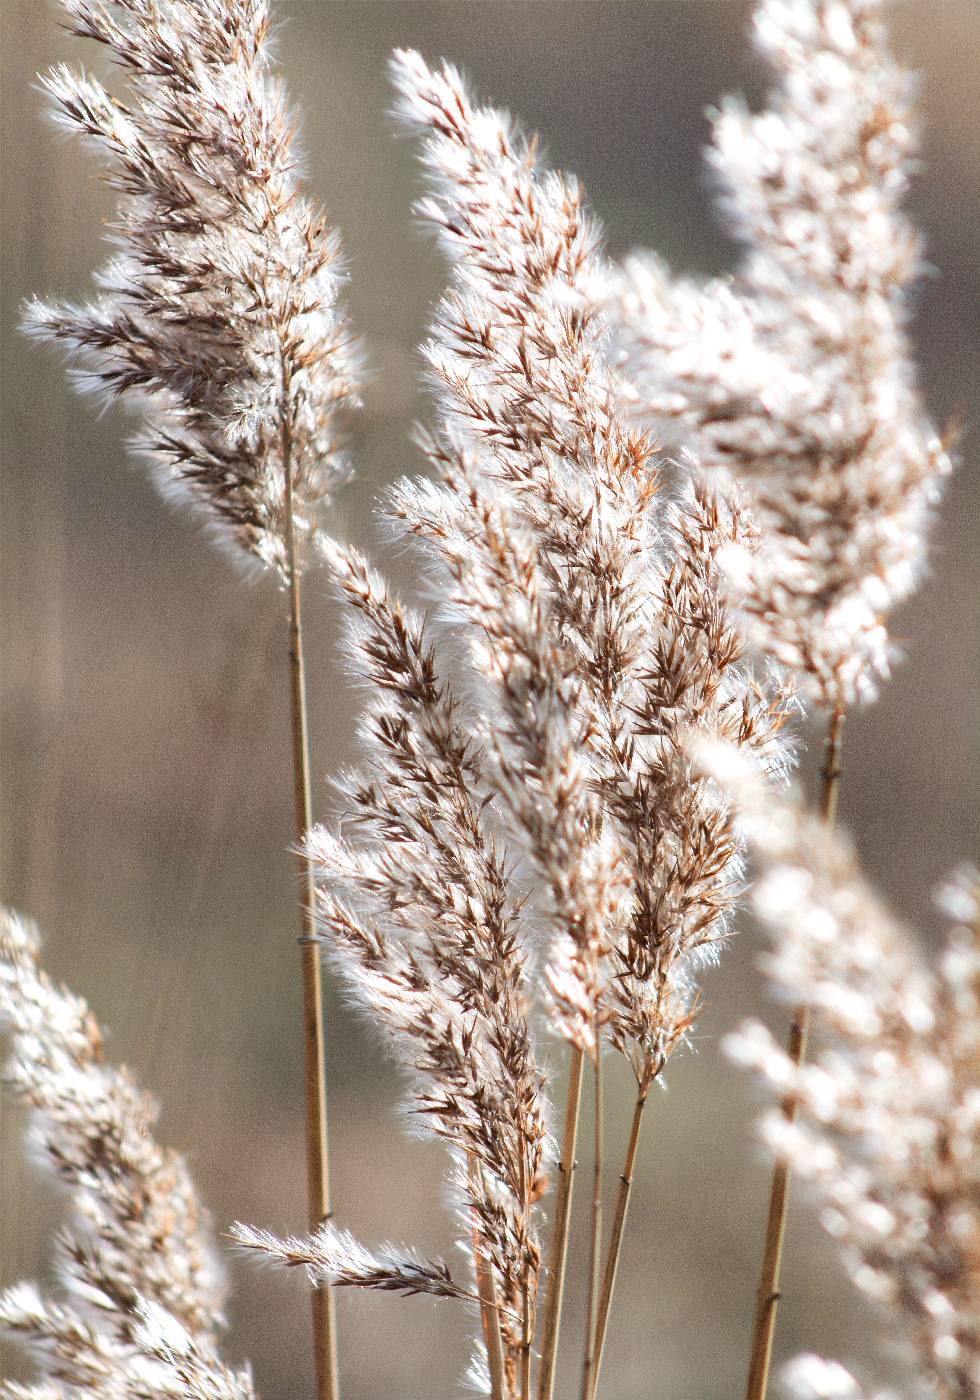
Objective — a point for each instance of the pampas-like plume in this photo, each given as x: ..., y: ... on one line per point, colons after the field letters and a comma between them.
x: 592, y: 657
x: 544, y: 518
x: 419, y: 908
x: 797, y: 377
x: 796, y: 380
x: 220, y: 318
x: 143, y: 1290
x: 588, y: 660
x: 334, y: 1256
x: 549, y: 525
x: 220, y: 315
x: 890, y: 1131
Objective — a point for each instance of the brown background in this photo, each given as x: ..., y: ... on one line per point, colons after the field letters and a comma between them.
x: 146, y: 808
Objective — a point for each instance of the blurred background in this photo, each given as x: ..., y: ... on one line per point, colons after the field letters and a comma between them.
x: 146, y: 797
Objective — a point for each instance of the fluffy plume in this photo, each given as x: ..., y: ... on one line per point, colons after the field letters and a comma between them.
x: 142, y: 1289
x: 889, y: 1136
x: 548, y: 522
x: 420, y: 912
x: 685, y: 848
x: 551, y: 788
x: 796, y: 377
x: 219, y: 316
x: 419, y: 908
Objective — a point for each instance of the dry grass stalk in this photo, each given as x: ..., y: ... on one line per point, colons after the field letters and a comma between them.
x: 768, y: 1293
x: 520, y: 364
x: 572, y: 805
x: 595, y: 1232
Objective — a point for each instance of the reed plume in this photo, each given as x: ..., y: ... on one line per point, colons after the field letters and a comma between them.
x: 220, y: 321
x: 219, y: 317
x: 534, y: 844
x: 141, y: 1288
x: 551, y: 792
x: 795, y: 379
x: 535, y: 442
x: 418, y: 907
x: 796, y: 375
x: 889, y: 1134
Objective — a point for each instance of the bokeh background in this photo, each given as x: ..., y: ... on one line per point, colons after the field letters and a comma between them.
x: 146, y: 802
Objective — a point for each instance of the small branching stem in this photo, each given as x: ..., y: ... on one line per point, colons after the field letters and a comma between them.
x: 314, y: 1049
x: 595, y: 1239
x: 618, y: 1229
x: 559, y: 1237
x: 767, y: 1299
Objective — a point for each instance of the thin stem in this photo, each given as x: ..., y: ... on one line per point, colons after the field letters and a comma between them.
x: 559, y: 1237
x: 831, y: 771
x: 489, y: 1311
x: 618, y: 1229
x: 314, y: 1049
x: 525, y: 1390
x: 595, y: 1239
x: 767, y: 1299
x: 526, y: 1343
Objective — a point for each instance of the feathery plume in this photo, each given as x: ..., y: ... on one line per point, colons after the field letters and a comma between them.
x: 592, y: 656
x: 138, y: 1248
x: 220, y: 319
x: 220, y: 315
x: 334, y: 1256
x: 889, y: 1137
x: 796, y: 377
x: 684, y: 845
x: 418, y: 910
x: 537, y: 461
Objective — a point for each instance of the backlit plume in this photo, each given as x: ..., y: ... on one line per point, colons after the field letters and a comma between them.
x: 796, y: 376
x: 544, y: 800
x: 219, y: 316
x: 889, y: 1136
x: 565, y: 756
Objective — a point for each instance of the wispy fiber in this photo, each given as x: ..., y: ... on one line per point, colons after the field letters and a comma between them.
x: 533, y: 841
x: 220, y: 319
x: 418, y: 906
x: 550, y: 524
